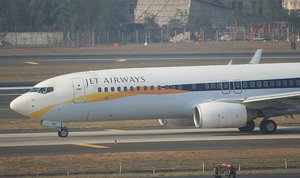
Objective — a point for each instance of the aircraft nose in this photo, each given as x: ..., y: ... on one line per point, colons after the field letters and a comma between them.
x: 20, y: 105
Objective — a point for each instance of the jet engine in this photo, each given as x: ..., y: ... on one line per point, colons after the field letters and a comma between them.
x: 221, y: 115
x: 176, y: 122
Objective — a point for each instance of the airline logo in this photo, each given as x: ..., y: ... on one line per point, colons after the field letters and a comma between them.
x: 113, y: 80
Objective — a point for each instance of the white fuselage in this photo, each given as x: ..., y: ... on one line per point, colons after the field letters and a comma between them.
x: 157, y: 93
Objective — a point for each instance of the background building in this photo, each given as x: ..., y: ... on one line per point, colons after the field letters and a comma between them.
x: 291, y: 4
x: 184, y: 10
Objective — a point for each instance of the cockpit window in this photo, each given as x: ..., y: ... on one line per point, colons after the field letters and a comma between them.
x: 34, y: 90
x: 50, y: 89
x: 42, y: 90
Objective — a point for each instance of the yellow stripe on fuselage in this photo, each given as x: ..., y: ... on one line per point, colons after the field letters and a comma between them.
x: 40, y: 112
x: 105, y: 96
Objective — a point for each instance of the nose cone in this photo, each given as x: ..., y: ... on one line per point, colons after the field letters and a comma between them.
x: 20, y: 105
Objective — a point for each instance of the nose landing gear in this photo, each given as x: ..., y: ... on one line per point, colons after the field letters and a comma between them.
x: 63, y: 132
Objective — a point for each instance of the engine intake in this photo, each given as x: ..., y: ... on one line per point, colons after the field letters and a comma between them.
x: 220, y: 115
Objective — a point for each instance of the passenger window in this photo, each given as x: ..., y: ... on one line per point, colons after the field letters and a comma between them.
x: 194, y: 86
x: 206, y: 86
x: 119, y: 89
x: 213, y: 86
x: 259, y: 84
x: 284, y: 83
x: 291, y: 83
x: 266, y: 84
x: 138, y: 88
x: 145, y: 88
x: 252, y: 84
x: 272, y: 84
x: 173, y: 87
x: 125, y: 88
x: 131, y: 88
x: 245, y: 85
x: 219, y: 86
x: 99, y: 90
x: 112, y: 89
x: 298, y: 83
x: 278, y: 83
x: 106, y: 89
x: 152, y: 87
x: 159, y: 87
x: 179, y: 87
x: 166, y: 87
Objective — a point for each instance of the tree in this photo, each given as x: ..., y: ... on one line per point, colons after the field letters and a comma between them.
x: 150, y: 23
x: 179, y: 20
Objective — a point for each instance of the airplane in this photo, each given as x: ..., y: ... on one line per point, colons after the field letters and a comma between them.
x: 217, y: 96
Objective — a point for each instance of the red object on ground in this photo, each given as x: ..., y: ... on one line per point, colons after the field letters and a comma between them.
x: 226, y: 165
x: 116, y: 45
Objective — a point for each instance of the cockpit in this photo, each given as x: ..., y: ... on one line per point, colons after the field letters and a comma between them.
x: 42, y: 90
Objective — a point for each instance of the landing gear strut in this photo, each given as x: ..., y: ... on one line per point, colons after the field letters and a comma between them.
x: 248, y: 128
x: 268, y: 126
x: 63, y: 132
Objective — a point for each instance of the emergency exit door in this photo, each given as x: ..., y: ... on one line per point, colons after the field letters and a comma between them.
x: 78, y: 90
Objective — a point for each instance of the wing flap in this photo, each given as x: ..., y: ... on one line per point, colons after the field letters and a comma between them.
x: 272, y: 97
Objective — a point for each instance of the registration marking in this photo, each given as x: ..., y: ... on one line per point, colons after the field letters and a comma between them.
x: 92, y: 145
x: 31, y: 62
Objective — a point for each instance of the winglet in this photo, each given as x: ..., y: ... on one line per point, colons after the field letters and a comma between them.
x: 230, y: 62
x: 256, y: 57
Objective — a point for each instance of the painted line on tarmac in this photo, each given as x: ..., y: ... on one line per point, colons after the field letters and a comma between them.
x: 114, y: 130
x: 91, y: 145
x: 121, y: 60
x: 31, y: 62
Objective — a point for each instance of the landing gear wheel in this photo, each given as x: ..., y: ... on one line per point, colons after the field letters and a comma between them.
x: 63, y: 132
x: 268, y: 126
x: 248, y: 128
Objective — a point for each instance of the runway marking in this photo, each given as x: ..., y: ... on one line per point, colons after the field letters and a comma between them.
x: 121, y: 60
x: 91, y: 145
x: 114, y: 130
x: 31, y: 62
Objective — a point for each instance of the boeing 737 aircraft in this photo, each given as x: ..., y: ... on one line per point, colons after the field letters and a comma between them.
x: 220, y: 96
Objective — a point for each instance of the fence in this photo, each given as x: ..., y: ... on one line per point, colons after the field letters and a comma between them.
x: 149, y: 167
x: 78, y: 39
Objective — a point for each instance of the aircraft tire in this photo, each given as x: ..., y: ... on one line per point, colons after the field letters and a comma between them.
x: 248, y: 128
x: 268, y: 126
x: 63, y: 133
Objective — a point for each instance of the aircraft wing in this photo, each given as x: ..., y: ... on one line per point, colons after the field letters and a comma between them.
x: 288, y: 100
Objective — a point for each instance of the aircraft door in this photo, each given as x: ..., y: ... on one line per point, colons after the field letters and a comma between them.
x: 225, y: 87
x: 78, y: 90
x: 237, y: 85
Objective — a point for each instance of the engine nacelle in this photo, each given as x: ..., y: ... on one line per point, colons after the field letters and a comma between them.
x: 176, y: 122
x: 220, y: 115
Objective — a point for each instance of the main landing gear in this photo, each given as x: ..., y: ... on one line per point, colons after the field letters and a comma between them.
x: 248, y: 128
x: 63, y: 132
x: 266, y: 126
